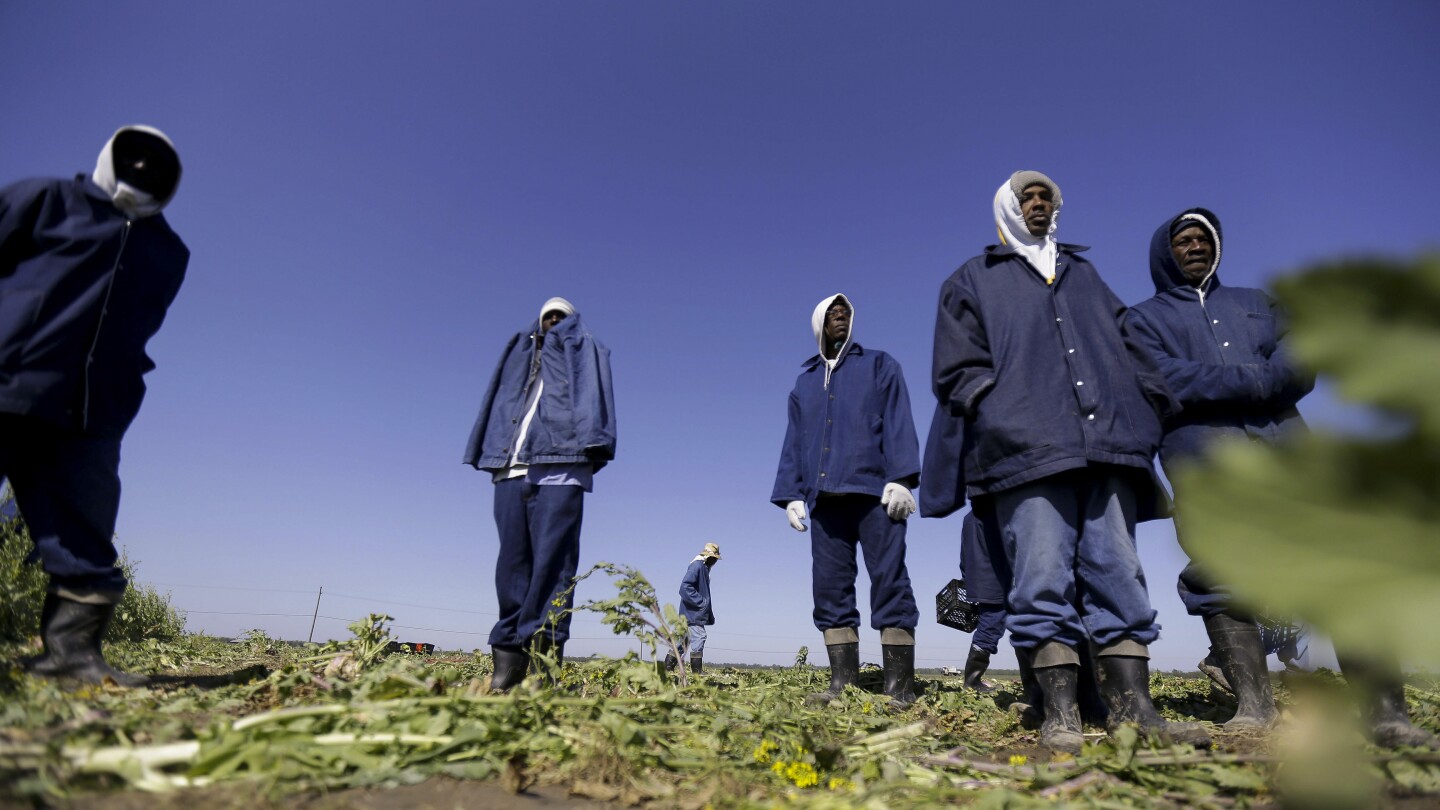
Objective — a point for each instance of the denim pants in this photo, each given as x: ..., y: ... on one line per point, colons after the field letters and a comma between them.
x: 67, y: 487
x: 1070, y: 538
x: 539, y: 529
x: 698, y: 634
x: 991, y: 627
x: 838, y: 524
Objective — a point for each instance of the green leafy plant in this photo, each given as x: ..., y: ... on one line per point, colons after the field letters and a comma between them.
x: 636, y: 610
x: 1340, y: 530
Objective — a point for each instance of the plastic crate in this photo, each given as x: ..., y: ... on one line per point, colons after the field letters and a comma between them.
x: 953, y: 607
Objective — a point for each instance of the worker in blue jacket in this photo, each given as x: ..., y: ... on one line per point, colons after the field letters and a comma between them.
x: 1222, y: 351
x: 1064, y: 412
x: 849, y: 461
x: 88, y: 269
x: 696, y: 606
x: 546, y: 426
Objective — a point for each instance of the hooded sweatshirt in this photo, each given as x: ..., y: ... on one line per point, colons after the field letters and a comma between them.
x: 84, y: 285
x: 1220, y: 349
x: 135, y: 203
x: 850, y: 430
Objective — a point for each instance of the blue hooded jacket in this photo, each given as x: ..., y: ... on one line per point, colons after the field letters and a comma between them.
x: 849, y: 429
x: 1220, y: 350
x: 575, y: 421
x: 1046, y: 376
x: 82, y: 290
x: 695, y: 594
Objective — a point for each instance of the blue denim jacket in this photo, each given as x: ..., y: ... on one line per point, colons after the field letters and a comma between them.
x: 695, y: 594
x: 575, y: 421
x: 1222, y: 353
x: 82, y: 290
x: 1046, y: 375
x: 854, y: 437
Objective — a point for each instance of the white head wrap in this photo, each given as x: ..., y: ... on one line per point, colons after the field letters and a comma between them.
x: 136, y: 204
x: 1040, y: 251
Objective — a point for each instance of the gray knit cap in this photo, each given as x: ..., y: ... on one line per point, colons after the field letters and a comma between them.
x: 1021, y: 180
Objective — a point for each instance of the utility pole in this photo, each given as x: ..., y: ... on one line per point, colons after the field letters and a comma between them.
x: 316, y: 616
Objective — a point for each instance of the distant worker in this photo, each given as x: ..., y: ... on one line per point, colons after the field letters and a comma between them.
x: 696, y: 605
x: 1062, y: 418
x: 546, y: 426
x: 849, y: 461
x: 88, y: 269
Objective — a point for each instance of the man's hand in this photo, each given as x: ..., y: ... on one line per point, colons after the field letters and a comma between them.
x: 795, y: 510
x: 898, y: 502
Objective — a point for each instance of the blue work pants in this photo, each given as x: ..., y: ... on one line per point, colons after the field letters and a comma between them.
x: 838, y: 524
x: 991, y: 627
x: 1070, y: 539
x: 539, y: 529
x: 698, y: 634
x: 67, y: 487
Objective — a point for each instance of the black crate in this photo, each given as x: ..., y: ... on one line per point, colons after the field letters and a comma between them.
x: 953, y: 607
x: 412, y: 647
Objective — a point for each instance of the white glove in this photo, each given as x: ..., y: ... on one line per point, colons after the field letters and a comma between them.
x: 898, y: 502
x: 795, y: 510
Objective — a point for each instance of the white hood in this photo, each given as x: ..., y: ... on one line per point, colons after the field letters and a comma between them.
x: 135, y: 203
x: 817, y: 324
x: 1040, y: 251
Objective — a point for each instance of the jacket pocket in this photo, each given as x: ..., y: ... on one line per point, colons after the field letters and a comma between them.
x: 1261, y: 328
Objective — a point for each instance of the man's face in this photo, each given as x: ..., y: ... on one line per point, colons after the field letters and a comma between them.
x: 837, y: 322
x: 551, y: 318
x: 145, y: 162
x: 1037, y: 208
x: 1194, y: 252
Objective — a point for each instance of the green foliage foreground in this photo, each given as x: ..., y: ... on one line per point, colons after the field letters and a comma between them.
x: 281, y: 719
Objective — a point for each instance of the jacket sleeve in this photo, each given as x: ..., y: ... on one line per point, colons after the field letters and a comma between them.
x: 1154, y: 382
x: 898, y: 439
x: 1196, y: 384
x: 789, y: 484
x: 475, y: 447
x: 19, y: 206
x: 962, y: 367
x: 1289, y: 381
x: 690, y: 596
x: 594, y: 417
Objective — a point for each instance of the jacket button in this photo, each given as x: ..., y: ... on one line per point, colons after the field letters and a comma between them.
x: 1226, y: 343
x: 1079, y: 382
x: 822, y: 475
x: 1059, y: 320
x: 1072, y: 351
x: 1214, y: 322
x: 1091, y: 417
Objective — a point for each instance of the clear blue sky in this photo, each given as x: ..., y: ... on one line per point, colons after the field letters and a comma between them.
x: 376, y: 195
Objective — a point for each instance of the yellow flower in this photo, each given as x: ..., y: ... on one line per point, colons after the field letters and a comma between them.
x: 802, y: 774
x: 762, y: 751
x: 1016, y: 760
x: 778, y: 767
x: 840, y: 783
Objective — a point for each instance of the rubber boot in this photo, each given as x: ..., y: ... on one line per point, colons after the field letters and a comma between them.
x: 1031, y: 705
x: 1092, y: 706
x: 1242, y: 657
x: 975, y: 666
x: 671, y: 662
x: 71, y: 632
x: 899, y: 660
x: 1060, y: 730
x: 1211, y: 667
x: 544, y: 645
x: 1386, y: 714
x: 844, y: 671
x: 1125, y: 686
x: 697, y: 663
x: 510, y: 666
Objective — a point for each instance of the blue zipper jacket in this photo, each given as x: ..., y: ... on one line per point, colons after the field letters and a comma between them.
x: 575, y: 421
x: 1046, y: 375
x: 695, y: 594
x: 82, y: 290
x: 1220, y: 349
x: 855, y: 436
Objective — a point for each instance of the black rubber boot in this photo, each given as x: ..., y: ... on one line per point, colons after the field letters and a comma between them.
x: 1031, y: 705
x: 1386, y: 714
x: 71, y: 632
x: 844, y: 671
x: 1125, y: 686
x: 511, y: 664
x: 1092, y: 706
x: 1242, y: 657
x: 697, y: 663
x: 1060, y: 730
x: 543, y: 645
x: 975, y: 666
x: 899, y: 660
x: 671, y: 663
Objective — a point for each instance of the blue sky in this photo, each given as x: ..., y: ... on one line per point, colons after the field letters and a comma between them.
x: 377, y: 195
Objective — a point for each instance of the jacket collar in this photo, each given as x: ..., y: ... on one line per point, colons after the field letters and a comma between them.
x: 1009, y: 250
x: 855, y: 348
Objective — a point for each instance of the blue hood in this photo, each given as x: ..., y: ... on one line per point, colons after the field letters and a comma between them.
x: 1164, y: 271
